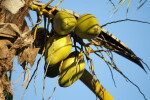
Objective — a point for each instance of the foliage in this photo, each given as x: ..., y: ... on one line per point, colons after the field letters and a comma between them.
x: 121, y: 3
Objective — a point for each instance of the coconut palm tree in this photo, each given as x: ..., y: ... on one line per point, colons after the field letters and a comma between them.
x: 18, y: 40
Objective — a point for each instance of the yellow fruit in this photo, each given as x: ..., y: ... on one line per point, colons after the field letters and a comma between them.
x: 57, y: 49
x: 71, y: 69
x: 87, y: 27
x: 64, y: 23
x: 53, y: 70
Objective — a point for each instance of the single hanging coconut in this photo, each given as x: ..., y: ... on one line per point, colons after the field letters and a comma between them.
x: 87, y: 27
x: 40, y: 37
x: 64, y: 23
x: 57, y: 49
x: 71, y: 69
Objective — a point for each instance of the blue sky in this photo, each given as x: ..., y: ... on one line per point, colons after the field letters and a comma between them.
x: 135, y: 35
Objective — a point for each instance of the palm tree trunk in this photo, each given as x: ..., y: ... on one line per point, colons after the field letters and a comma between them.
x: 7, y: 53
x: 2, y: 97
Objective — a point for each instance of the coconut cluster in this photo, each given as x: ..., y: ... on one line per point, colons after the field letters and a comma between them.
x: 86, y: 26
x: 69, y: 66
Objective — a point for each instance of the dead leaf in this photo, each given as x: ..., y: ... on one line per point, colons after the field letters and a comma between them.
x: 9, y: 30
x: 29, y: 55
x: 27, y: 37
x: 4, y: 67
x: 4, y: 48
x: 13, y: 5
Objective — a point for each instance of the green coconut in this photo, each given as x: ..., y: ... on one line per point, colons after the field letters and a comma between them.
x: 40, y: 38
x: 64, y: 23
x: 71, y: 70
x: 87, y: 27
x: 57, y: 49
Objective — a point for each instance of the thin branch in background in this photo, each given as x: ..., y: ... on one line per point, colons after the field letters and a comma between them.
x: 139, y: 2
x: 92, y: 70
x: 27, y: 77
x: 118, y: 70
x: 101, y: 88
x: 19, y: 78
x: 112, y: 75
x: 140, y: 5
x: 130, y: 81
x: 128, y: 8
x: 33, y: 75
x: 134, y: 85
x: 125, y: 20
x: 106, y: 61
x: 108, y: 53
x: 23, y: 94
x: 88, y: 59
x: 116, y: 5
x: 44, y: 86
x: 54, y: 88
x: 91, y: 65
x: 26, y: 68
x: 123, y: 1
x: 111, y: 57
x: 111, y: 3
x: 36, y: 70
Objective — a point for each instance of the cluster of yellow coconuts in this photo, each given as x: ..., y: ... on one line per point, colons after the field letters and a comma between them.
x: 69, y: 66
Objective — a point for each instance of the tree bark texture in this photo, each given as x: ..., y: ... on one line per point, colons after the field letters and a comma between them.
x: 12, y: 26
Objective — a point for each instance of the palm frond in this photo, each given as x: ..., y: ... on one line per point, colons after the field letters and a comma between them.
x: 121, y: 3
x: 116, y: 5
x: 119, y: 6
x: 111, y: 2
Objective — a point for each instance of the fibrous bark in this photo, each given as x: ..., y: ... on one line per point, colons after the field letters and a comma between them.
x: 15, y: 38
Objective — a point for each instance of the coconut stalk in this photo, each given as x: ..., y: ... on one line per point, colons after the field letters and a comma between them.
x: 95, y: 86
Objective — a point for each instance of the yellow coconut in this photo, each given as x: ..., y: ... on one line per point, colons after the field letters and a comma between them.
x: 87, y: 27
x: 64, y: 23
x: 57, y: 49
x: 71, y: 69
